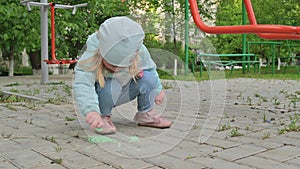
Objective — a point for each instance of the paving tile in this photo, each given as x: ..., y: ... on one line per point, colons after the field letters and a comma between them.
x: 186, y: 152
x: 155, y: 167
x: 281, y: 154
x: 192, y: 142
x: 167, y: 161
x: 286, y: 140
x: 239, y: 152
x: 268, y: 144
x: 117, y: 161
x: 216, y: 163
x: 102, y: 166
x: 260, y: 133
x: 294, y: 161
x: 8, y: 145
x: 74, y: 159
x: 243, y: 140
x: 225, y: 144
x: 5, y: 164
x: 281, y: 166
x: 26, y: 158
x: 257, y: 162
x: 293, y: 135
x: 49, y: 166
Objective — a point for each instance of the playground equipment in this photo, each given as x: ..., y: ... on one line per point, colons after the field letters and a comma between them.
x: 273, y: 51
x: 294, y: 57
x: 44, y: 33
x: 270, y: 32
x: 54, y: 60
x: 277, y: 32
x: 246, y: 59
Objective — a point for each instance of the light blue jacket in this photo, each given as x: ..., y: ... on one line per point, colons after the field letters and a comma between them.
x: 84, y: 82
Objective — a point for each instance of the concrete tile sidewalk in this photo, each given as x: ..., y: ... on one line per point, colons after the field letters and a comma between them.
x: 237, y: 124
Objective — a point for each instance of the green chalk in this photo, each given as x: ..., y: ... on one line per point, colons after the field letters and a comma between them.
x: 99, y: 129
x: 133, y: 139
x: 101, y: 139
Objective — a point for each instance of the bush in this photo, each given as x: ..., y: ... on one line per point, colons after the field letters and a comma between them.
x: 23, y: 70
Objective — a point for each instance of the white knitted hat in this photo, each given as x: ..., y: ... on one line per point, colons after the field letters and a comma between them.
x: 119, y: 39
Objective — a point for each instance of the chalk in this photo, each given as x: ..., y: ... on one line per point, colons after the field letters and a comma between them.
x: 99, y: 129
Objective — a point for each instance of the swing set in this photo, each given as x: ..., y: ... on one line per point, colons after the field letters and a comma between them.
x: 52, y: 6
x: 274, y: 32
x: 265, y: 31
x: 53, y: 53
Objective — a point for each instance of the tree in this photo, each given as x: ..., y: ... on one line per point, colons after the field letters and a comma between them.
x: 21, y: 29
x: 13, y: 32
x: 73, y: 30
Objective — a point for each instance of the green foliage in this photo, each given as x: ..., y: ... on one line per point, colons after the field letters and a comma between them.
x: 224, y: 127
x: 235, y: 132
x: 12, y: 28
x: 10, y: 98
x: 18, y: 70
x: 165, y: 75
x: 21, y: 29
x: 71, y: 31
x: 293, y: 126
x: 23, y: 70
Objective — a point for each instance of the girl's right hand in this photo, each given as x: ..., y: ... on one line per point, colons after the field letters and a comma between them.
x: 94, y: 120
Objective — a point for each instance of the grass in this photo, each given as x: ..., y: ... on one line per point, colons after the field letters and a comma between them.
x: 266, y: 135
x: 57, y: 161
x: 69, y: 119
x: 293, y: 126
x: 290, y: 73
x: 224, y: 127
x: 235, y: 132
x: 6, y: 98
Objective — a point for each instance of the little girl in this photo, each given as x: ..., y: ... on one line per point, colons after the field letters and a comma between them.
x: 114, y: 69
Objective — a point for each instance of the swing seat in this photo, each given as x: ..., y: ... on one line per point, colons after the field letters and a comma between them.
x: 61, y: 61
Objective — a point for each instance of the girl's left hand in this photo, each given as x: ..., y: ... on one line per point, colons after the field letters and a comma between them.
x: 160, y: 97
x: 139, y: 75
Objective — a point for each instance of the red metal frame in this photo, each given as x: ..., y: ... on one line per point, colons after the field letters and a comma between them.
x: 278, y: 32
x: 54, y: 60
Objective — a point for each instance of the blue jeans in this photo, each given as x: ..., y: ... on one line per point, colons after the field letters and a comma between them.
x: 114, y: 94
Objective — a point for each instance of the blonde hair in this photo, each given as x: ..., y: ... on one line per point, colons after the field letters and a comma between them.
x: 95, y: 64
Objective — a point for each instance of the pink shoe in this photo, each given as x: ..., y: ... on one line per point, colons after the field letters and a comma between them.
x: 108, y: 126
x: 151, y: 119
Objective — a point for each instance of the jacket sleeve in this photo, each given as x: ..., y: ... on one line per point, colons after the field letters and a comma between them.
x: 84, y: 91
x: 149, y: 65
x: 84, y: 81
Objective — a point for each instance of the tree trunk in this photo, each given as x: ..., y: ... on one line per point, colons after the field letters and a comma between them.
x: 35, y: 60
x: 278, y: 59
x: 174, y: 27
x: 11, y: 61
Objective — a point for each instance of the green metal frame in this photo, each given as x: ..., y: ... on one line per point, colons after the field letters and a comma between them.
x: 289, y: 45
x: 245, y: 61
x: 186, y: 49
x: 273, y: 45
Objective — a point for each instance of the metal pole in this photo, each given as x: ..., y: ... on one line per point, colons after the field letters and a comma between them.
x: 52, y: 31
x: 273, y: 59
x: 244, y: 35
x: 186, y: 36
x: 44, y: 43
